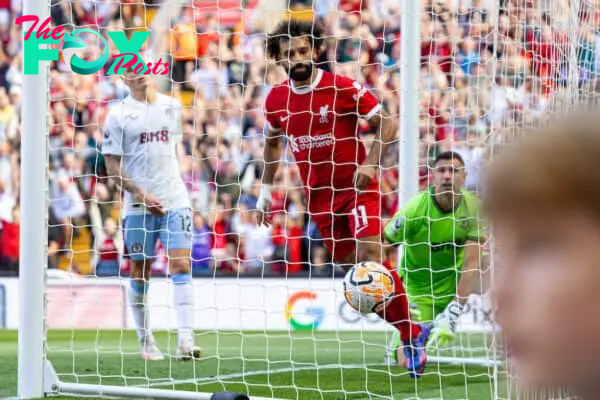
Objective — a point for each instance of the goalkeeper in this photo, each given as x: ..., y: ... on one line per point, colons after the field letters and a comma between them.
x: 441, y: 234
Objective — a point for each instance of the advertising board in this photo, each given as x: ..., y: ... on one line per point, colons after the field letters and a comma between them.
x: 220, y: 304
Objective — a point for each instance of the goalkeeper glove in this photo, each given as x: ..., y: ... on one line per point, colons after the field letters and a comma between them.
x: 444, y: 326
x: 264, y: 201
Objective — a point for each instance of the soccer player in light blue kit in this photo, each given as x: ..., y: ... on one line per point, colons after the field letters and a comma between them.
x: 141, y: 135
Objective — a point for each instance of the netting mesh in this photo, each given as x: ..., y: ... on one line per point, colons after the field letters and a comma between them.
x: 268, y: 305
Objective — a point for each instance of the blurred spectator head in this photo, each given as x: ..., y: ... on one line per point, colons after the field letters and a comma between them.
x: 63, y: 183
x: 187, y: 15
x: 15, y: 94
x: 81, y: 140
x: 503, y: 24
x: 110, y: 226
x: 255, y: 190
x: 68, y: 160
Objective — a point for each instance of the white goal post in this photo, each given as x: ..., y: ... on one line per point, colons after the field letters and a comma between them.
x: 33, y: 224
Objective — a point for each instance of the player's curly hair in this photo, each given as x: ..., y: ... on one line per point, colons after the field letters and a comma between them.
x: 291, y: 29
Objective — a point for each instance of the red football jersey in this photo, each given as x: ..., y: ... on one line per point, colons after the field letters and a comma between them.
x: 321, y: 124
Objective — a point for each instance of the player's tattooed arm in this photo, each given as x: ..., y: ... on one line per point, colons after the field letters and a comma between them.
x: 124, y: 182
x: 115, y: 172
x: 272, y: 154
x: 386, y: 127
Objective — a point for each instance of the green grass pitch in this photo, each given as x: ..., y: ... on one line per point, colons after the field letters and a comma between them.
x: 297, y: 365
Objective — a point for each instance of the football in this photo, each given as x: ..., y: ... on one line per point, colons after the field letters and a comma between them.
x: 368, y: 287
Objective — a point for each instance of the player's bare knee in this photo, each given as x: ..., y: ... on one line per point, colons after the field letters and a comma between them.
x: 179, y: 261
x: 139, y: 269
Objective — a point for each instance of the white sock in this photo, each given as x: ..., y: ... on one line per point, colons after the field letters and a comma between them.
x: 183, y: 300
x: 137, y: 302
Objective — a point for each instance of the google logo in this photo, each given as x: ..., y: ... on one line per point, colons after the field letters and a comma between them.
x: 293, y: 305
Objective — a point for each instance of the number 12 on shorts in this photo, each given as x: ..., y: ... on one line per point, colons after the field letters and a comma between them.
x: 186, y: 223
x: 360, y: 218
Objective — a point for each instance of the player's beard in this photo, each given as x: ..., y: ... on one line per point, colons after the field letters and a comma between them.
x: 303, y: 74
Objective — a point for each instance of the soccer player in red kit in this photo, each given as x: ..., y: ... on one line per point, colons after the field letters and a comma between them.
x: 319, y: 112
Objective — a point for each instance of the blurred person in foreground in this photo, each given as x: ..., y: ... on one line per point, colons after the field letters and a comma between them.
x: 141, y: 135
x: 542, y: 200
x: 319, y: 113
x: 440, y: 230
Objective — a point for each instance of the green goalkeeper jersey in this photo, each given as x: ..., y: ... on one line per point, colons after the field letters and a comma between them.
x: 434, y: 240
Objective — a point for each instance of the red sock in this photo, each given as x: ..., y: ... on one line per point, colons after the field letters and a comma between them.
x: 397, y: 312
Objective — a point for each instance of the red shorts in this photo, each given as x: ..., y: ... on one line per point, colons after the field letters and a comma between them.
x: 356, y: 218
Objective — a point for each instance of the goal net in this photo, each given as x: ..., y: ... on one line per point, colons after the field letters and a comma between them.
x: 268, y: 310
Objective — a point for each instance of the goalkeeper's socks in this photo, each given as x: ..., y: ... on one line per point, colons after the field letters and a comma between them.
x: 137, y: 300
x: 182, y: 297
x: 397, y: 312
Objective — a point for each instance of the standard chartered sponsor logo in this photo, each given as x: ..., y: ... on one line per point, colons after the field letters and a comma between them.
x: 351, y: 316
x: 308, y: 142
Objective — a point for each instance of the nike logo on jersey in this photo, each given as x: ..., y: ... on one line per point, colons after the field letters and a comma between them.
x: 285, y: 118
x: 131, y: 116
